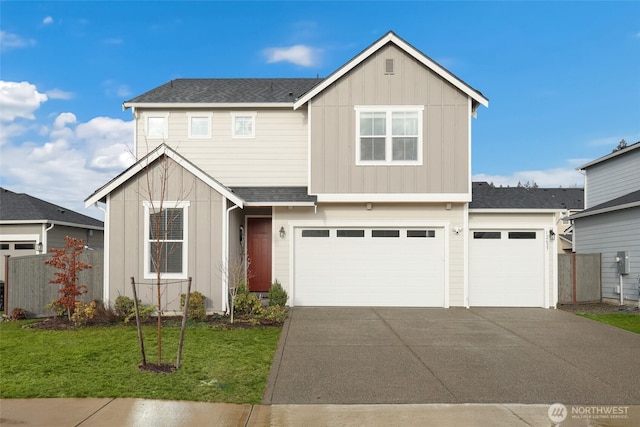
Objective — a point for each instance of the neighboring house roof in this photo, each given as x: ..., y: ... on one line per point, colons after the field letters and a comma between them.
x: 225, y: 91
x: 100, y: 194
x: 627, y: 149
x: 630, y: 200
x: 485, y: 196
x: 274, y: 196
x: 20, y: 207
x: 391, y: 37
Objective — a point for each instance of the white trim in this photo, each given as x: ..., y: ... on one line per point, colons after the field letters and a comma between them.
x: 516, y: 210
x: 23, y: 238
x: 419, y: 56
x: 225, y: 256
x: 235, y: 115
x: 135, y: 116
x: 271, y: 204
x: 127, y: 105
x: 184, y: 205
x: 388, y: 137
x: 308, y: 149
x: 465, y: 255
x: 444, y: 225
x: 605, y: 210
x: 469, y: 146
x: 156, y: 115
x: 150, y: 158
x: 199, y: 115
x: 44, y: 221
x: 393, y: 197
x: 106, y: 287
x: 609, y: 156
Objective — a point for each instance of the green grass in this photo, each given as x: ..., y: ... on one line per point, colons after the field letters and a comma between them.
x: 628, y: 321
x: 217, y: 365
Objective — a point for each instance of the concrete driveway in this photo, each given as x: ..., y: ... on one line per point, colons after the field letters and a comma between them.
x: 456, y: 355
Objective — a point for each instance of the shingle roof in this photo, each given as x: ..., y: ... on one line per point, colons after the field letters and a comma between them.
x: 628, y: 200
x: 484, y: 196
x: 269, y: 195
x: 23, y: 207
x: 614, y: 153
x: 275, y: 90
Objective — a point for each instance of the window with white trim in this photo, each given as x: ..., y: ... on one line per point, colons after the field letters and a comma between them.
x: 243, y: 124
x: 156, y: 126
x: 199, y: 125
x: 389, y: 135
x: 165, y: 239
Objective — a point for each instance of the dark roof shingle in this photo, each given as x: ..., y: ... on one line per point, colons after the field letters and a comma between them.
x: 274, y: 194
x: 484, y: 196
x: 259, y: 90
x: 23, y: 207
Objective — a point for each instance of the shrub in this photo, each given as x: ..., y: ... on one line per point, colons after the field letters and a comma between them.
x: 277, y: 295
x: 196, y: 310
x: 58, y: 308
x: 274, y: 313
x: 18, y: 314
x: 126, y: 310
x: 83, y: 313
x: 246, y: 302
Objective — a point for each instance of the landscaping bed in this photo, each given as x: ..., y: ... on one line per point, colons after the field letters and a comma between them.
x: 598, y: 308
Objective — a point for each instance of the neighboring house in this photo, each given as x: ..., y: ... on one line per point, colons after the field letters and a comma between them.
x: 30, y: 226
x: 611, y: 221
x: 352, y: 190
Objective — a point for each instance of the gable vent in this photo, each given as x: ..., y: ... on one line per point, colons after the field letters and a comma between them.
x: 388, y: 66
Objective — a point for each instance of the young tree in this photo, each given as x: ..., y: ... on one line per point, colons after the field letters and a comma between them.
x: 66, y: 261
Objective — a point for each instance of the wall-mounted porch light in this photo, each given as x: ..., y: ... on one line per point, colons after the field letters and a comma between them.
x: 552, y: 235
x: 282, y: 233
x: 39, y: 247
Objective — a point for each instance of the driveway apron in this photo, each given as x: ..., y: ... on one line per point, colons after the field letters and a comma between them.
x: 366, y: 355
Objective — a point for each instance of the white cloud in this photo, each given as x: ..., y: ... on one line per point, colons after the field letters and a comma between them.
x: 59, y: 94
x: 48, y: 20
x: 63, y: 119
x: 298, y: 54
x: 558, y: 177
x: 13, y: 41
x: 19, y: 100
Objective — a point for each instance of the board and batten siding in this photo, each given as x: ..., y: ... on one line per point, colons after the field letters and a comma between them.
x: 613, y: 178
x: 126, y: 233
x: 276, y: 156
x: 357, y: 215
x: 446, y: 145
x: 607, y: 234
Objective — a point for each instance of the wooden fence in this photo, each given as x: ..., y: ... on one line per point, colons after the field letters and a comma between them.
x: 29, y: 288
x: 579, y: 278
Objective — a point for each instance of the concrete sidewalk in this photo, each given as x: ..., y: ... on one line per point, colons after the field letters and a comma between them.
x: 159, y: 413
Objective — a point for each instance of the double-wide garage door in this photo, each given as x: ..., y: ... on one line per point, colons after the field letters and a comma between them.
x: 365, y: 266
x: 506, y: 268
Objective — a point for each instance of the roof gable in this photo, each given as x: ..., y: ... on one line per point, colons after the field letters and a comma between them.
x: 391, y: 37
x: 615, y: 153
x: 16, y: 207
x: 100, y: 194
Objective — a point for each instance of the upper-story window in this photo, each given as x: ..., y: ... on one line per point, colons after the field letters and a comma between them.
x: 199, y: 125
x: 243, y: 124
x: 389, y: 135
x: 156, y: 126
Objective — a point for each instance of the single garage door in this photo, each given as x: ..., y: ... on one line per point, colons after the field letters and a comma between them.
x: 402, y: 267
x: 506, y: 268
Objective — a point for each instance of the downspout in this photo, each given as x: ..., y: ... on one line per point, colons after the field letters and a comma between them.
x: 225, y: 257
x: 45, y: 240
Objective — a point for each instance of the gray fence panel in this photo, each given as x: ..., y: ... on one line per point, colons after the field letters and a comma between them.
x: 588, y: 285
x: 29, y: 284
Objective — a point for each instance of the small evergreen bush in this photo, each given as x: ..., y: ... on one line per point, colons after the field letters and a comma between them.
x: 274, y: 313
x: 246, y: 302
x: 277, y: 295
x: 197, y: 310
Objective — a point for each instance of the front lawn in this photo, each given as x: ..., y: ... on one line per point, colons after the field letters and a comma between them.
x: 628, y: 321
x: 102, y: 361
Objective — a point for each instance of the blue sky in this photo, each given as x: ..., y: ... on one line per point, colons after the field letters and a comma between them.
x: 563, y: 78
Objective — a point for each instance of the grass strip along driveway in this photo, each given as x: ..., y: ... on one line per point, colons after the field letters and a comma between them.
x: 102, y: 361
x: 628, y: 321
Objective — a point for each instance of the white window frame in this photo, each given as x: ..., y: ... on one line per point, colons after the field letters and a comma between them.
x: 389, y: 110
x: 148, y: 206
x: 165, y: 131
x: 237, y: 114
x: 196, y: 115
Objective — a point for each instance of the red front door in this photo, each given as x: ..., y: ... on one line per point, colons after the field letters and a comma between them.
x: 259, y: 253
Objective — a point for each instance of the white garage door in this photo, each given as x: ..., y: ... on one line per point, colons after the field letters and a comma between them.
x: 506, y: 268
x: 401, y: 267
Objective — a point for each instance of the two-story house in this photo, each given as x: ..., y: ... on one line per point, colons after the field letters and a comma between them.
x: 610, y: 224
x: 350, y: 190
